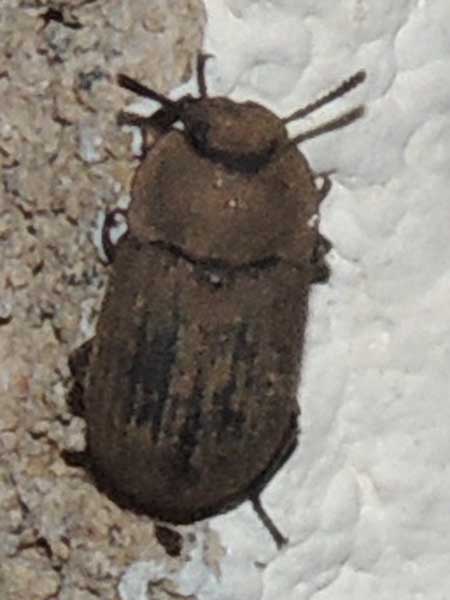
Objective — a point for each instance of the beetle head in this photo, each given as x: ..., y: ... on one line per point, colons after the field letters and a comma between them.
x: 242, y: 136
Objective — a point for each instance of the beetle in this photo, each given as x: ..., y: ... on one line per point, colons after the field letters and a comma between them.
x: 189, y: 386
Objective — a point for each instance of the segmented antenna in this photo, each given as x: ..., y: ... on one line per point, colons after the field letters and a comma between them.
x: 142, y: 90
x: 345, y: 87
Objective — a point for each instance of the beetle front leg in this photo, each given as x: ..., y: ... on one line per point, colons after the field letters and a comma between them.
x: 111, y: 221
x: 162, y: 120
x: 325, y: 185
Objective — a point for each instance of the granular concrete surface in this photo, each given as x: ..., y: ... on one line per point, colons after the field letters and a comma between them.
x: 64, y: 162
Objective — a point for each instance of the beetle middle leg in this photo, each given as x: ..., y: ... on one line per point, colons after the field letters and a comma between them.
x: 320, y: 268
x: 78, y: 365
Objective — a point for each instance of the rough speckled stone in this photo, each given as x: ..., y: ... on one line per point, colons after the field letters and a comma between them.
x: 63, y: 160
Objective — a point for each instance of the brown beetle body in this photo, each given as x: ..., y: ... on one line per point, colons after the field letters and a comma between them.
x: 190, y: 393
x: 192, y: 398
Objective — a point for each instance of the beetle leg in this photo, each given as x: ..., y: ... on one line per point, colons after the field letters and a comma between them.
x: 325, y: 185
x: 78, y: 365
x: 289, y: 445
x: 161, y: 120
x: 276, y: 534
x: 108, y: 225
x: 170, y: 539
x: 321, y: 270
x: 322, y: 247
x: 201, y: 60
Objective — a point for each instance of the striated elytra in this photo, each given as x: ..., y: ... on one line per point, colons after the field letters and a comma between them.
x: 189, y: 386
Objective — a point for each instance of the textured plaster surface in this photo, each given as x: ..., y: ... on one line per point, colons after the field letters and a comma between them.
x: 365, y: 498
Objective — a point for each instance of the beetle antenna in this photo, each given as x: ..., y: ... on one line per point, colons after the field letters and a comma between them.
x: 201, y: 60
x: 277, y: 536
x: 345, y: 87
x: 342, y: 121
x: 142, y: 90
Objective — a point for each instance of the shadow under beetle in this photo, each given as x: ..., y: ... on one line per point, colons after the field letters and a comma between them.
x: 189, y: 386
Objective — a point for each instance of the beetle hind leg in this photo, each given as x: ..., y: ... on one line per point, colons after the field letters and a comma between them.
x: 285, y: 451
x: 276, y: 534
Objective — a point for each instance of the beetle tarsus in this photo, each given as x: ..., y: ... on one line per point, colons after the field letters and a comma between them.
x: 276, y: 534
